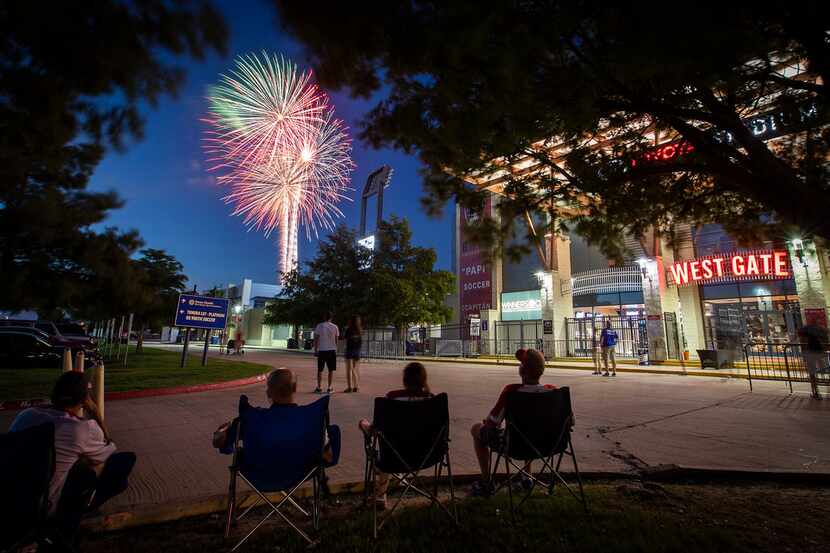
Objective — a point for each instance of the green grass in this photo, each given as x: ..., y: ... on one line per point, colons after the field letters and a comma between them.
x: 154, y: 368
x: 624, y: 518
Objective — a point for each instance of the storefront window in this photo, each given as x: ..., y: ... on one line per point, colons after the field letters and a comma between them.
x: 611, y: 304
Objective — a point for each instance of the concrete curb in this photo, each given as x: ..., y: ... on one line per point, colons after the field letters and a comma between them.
x: 155, y: 514
x: 15, y: 405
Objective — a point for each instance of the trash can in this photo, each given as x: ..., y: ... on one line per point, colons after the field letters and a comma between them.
x: 292, y: 343
x: 308, y: 344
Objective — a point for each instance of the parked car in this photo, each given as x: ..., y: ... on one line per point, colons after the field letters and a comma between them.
x: 51, y: 329
x: 73, y: 330
x: 60, y: 342
x: 19, y: 350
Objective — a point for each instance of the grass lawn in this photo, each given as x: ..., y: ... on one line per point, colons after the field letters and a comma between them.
x: 154, y: 368
x: 625, y: 517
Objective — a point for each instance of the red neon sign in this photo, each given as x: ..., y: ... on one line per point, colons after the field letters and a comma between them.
x: 754, y: 265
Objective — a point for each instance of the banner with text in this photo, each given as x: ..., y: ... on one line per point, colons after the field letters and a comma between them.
x: 475, y: 280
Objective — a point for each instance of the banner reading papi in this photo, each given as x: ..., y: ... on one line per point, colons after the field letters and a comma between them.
x: 201, y: 312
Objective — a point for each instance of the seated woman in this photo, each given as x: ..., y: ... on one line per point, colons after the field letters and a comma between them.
x: 415, y: 388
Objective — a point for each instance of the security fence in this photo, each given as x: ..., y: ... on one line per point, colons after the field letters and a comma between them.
x: 505, y: 337
x: 786, y: 363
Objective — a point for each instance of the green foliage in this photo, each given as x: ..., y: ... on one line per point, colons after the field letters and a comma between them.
x: 394, y: 285
x: 543, y: 82
x: 161, y: 281
x: 73, y: 76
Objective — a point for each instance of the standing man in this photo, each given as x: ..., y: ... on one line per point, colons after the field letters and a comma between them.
x: 325, y: 347
x: 607, y: 343
x: 814, y: 346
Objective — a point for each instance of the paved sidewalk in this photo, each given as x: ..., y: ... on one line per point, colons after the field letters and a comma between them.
x: 691, y: 368
x: 627, y: 423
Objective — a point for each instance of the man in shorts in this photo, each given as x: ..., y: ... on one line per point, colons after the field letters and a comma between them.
x: 325, y: 348
x: 489, y: 434
x: 607, y: 344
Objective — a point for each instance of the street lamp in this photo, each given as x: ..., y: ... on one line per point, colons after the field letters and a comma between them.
x: 798, y: 249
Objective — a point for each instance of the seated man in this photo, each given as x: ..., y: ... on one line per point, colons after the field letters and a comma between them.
x: 415, y: 388
x: 489, y: 434
x: 88, y: 472
x: 281, y: 385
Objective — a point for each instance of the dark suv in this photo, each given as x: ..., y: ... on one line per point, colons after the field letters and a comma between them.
x: 20, y: 350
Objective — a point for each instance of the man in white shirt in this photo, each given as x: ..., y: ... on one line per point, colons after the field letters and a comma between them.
x: 325, y: 348
x: 88, y: 472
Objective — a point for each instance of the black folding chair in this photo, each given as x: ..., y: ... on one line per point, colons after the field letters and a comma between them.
x: 27, y: 464
x: 537, y: 428
x: 408, y: 437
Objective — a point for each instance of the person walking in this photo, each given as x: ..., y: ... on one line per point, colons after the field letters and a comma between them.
x: 325, y: 348
x: 607, y: 344
x: 353, y: 344
x: 814, y: 346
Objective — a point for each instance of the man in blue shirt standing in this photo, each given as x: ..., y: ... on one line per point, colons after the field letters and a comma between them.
x: 607, y: 343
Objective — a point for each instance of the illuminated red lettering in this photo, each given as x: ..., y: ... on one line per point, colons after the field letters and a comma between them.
x: 765, y: 263
x: 706, y: 265
x: 738, y: 267
x: 780, y: 261
x: 680, y: 272
x: 751, y: 265
x: 694, y: 267
x: 773, y: 264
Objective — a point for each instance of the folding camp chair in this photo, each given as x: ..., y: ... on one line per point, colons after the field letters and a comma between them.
x: 406, y: 438
x: 537, y: 428
x: 277, y: 450
x: 27, y: 464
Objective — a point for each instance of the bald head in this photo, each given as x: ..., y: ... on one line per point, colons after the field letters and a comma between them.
x: 281, y: 385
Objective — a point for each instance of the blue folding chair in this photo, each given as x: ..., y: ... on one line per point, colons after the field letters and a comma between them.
x: 277, y: 450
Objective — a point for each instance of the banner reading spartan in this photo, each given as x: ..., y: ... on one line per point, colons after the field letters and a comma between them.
x: 475, y: 280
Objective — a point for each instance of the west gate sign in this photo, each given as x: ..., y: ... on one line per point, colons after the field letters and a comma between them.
x: 732, y: 267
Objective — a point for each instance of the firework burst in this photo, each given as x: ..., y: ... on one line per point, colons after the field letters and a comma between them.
x: 283, y: 154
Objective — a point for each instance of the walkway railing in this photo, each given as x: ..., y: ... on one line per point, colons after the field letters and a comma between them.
x: 785, y: 362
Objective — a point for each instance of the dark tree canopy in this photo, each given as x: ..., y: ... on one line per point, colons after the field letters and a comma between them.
x: 396, y: 284
x: 73, y: 77
x: 467, y: 83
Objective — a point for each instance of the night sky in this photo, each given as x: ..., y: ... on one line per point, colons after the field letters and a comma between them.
x: 175, y: 203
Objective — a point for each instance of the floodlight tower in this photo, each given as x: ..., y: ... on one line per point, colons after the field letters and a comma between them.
x: 376, y: 182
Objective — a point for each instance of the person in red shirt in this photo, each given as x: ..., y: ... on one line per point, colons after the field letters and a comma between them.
x: 415, y: 388
x: 489, y: 434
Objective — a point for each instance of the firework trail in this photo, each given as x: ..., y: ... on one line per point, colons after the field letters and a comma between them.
x: 284, y: 155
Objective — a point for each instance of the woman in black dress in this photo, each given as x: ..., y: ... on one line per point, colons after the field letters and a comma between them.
x: 353, y: 343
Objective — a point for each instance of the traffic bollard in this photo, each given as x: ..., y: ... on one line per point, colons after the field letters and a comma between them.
x: 67, y: 360
x: 98, y: 388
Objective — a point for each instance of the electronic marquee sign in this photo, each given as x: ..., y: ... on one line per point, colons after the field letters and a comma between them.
x: 731, y: 267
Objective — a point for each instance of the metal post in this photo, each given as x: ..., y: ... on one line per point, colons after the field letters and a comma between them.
x: 207, y: 344
x: 787, y: 365
x: 184, y: 348
x: 109, y: 336
x: 129, y: 331
x: 120, y: 333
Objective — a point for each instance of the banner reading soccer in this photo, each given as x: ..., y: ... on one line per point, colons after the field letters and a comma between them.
x: 474, y: 272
